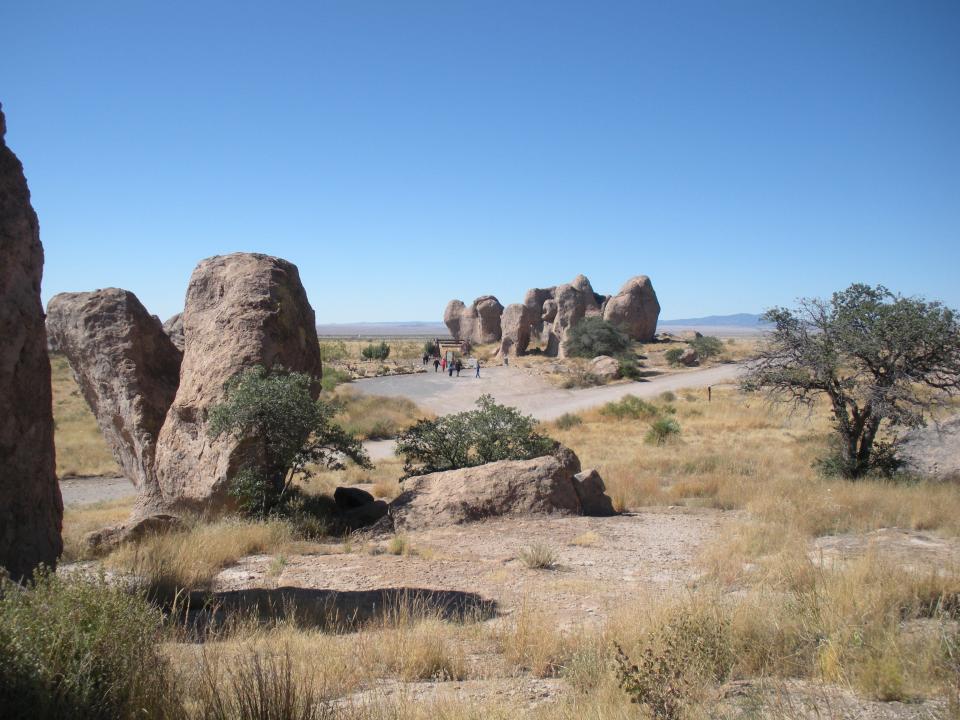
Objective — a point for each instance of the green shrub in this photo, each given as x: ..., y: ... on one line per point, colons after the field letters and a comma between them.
x: 630, y: 406
x: 429, y: 348
x: 580, y: 378
x: 380, y: 351
x: 333, y: 377
x: 629, y: 367
x: 79, y: 648
x: 668, y: 396
x: 286, y: 432
x: 334, y: 350
x: 673, y: 355
x: 661, y: 430
x: 594, y: 336
x: 707, y: 346
x: 491, y: 432
x: 539, y: 557
x: 568, y: 420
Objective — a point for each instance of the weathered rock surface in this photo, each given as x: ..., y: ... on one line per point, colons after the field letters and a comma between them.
x: 593, y: 494
x: 134, y: 530
x: 933, y: 451
x: 605, y: 367
x: 173, y: 327
x: 689, y: 357
x: 507, y: 488
x: 635, y: 309
x: 241, y: 310
x: 127, y: 369
x: 516, y: 325
x: 478, y: 324
x: 31, y: 509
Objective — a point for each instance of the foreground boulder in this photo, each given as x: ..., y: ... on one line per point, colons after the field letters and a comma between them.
x: 635, y: 309
x: 31, y: 509
x: 134, y: 530
x: 241, y: 310
x: 932, y: 451
x: 127, y: 369
x: 477, y: 324
x: 605, y: 367
x: 543, y: 485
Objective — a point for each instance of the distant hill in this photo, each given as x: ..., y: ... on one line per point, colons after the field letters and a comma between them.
x: 746, y: 320
x: 413, y: 328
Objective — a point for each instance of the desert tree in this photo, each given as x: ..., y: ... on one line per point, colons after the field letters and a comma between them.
x: 882, y: 361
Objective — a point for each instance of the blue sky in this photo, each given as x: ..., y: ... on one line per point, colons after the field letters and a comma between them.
x: 741, y: 154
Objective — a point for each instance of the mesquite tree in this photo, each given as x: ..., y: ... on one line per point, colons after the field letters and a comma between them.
x: 881, y: 359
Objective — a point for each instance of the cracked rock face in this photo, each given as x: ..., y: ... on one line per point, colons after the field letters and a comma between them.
x: 478, y: 324
x: 635, y: 309
x: 127, y: 369
x: 241, y: 310
x: 31, y: 509
x: 173, y: 327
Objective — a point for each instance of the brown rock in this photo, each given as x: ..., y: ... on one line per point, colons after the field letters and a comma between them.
x: 31, y: 509
x: 127, y: 369
x: 593, y: 496
x: 477, y: 324
x: 173, y: 327
x: 605, y: 367
x: 932, y: 451
x: 517, y: 323
x: 133, y: 531
x: 241, y: 310
x: 510, y: 487
x: 689, y: 357
x: 635, y: 309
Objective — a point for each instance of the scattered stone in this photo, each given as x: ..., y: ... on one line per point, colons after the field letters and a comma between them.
x: 127, y: 368
x: 173, y: 327
x: 241, y: 310
x: 605, y: 367
x: 593, y: 494
x: 478, y: 324
x: 689, y: 357
x: 348, y: 498
x: 31, y: 509
x: 635, y: 309
x: 133, y: 531
x: 932, y: 451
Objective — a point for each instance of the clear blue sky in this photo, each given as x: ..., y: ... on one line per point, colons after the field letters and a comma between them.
x: 742, y: 154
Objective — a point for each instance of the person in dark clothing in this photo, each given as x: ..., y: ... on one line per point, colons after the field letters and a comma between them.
x: 478, y: 368
x: 459, y: 367
x: 436, y: 364
x: 425, y: 358
x: 450, y: 368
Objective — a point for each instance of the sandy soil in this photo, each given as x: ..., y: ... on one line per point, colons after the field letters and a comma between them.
x: 86, y: 490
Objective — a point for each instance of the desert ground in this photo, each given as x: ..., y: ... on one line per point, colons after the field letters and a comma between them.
x: 818, y: 593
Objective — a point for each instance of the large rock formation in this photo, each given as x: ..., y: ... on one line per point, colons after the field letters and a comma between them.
x: 932, y: 451
x: 543, y: 485
x: 31, y: 509
x: 516, y: 323
x: 173, y: 327
x: 126, y: 367
x: 241, y: 310
x: 477, y: 324
x: 635, y: 309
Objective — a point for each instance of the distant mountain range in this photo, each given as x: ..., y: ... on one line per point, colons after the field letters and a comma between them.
x: 735, y: 320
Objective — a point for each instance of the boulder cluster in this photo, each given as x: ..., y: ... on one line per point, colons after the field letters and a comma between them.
x: 151, y: 399
x: 548, y: 314
x: 31, y: 509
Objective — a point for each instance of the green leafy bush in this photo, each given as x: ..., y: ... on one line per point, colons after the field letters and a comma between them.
x: 707, y: 346
x: 629, y: 367
x: 285, y: 431
x: 630, y: 406
x: 594, y: 336
x: 491, y: 432
x: 333, y: 377
x: 72, y: 648
x: 673, y: 355
x: 379, y: 351
x: 429, y: 348
x: 661, y: 430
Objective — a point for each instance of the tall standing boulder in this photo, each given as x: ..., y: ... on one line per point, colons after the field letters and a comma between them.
x: 127, y: 369
x: 478, y: 324
x: 173, y: 327
x: 31, y: 509
x: 635, y: 309
x: 241, y: 310
x: 516, y: 324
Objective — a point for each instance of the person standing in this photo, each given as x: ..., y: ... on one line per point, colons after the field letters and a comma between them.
x: 478, y: 367
x: 436, y: 364
x: 459, y: 366
x: 443, y: 364
x: 450, y: 368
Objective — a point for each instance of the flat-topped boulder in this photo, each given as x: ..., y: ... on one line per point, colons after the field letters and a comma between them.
x: 127, y: 368
x: 31, y: 509
x: 241, y: 310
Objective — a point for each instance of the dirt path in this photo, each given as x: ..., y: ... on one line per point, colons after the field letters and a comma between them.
x: 532, y: 394
x: 86, y: 490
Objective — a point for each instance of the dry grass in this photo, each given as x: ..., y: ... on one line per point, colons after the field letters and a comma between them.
x: 375, y: 417
x: 78, y: 521
x: 81, y: 449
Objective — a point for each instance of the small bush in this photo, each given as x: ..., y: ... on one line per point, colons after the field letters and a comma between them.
x: 630, y: 406
x: 73, y: 648
x: 333, y: 377
x: 883, y: 463
x: 629, y: 367
x: 661, y: 430
x: 707, y: 346
x: 668, y: 396
x: 334, y: 350
x: 398, y: 545
x: 594, y: 336
x: 429, y: 348
x: 580, y: 378
x: 568, y: 420
x: 673, y: 355
x: 379, y: 351
x: 539, y: 557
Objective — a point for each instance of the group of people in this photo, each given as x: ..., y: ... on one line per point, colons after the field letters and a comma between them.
x: 449, y: 367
